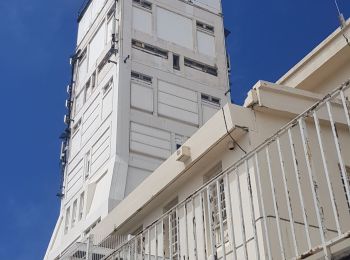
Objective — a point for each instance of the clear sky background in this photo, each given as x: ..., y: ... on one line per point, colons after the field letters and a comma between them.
x: 38, y: 36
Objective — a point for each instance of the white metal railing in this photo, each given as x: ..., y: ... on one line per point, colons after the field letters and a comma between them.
x: 286, y: 199
x: 93, y: 248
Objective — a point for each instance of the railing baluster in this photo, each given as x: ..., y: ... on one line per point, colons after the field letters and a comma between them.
x: 258, y: 178
x: 194, y: 229
x: 163, y: 239
x: 221, y: 223
x: 136, y: 248
x: 325, y: 167
x: 177, y: 219
x: 204, y: 226
x: 149, y: 243
x: 338, y: 149
x: 275, y: 205
x: 313, y: 183
x: 156, y: 237
x: 244, y: 239
x: 170, y: 237
x: 252, y: 213
x: 287, y: 194
x: 230, y: 214
x: 186, y: 230
x: 346, y: 108
x: 142, y: 246
x: 300, y: 193
x: 211, y: 224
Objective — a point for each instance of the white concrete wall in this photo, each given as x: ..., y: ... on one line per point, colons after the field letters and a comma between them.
x: 124, y: 129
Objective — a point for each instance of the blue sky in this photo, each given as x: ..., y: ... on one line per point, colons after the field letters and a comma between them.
x: 37, y: 38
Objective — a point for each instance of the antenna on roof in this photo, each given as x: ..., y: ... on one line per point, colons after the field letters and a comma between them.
x: 342, y: 22
x: 340, y: 15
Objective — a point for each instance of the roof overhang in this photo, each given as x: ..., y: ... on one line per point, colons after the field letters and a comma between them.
x: 321, y: 62
x: 238, y: 120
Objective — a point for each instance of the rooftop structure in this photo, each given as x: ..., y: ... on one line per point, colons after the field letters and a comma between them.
x: 145, y: 76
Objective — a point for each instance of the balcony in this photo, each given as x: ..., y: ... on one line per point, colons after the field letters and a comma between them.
x: 286, y: 199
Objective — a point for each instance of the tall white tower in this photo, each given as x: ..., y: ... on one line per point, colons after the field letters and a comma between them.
x: 146, y: 76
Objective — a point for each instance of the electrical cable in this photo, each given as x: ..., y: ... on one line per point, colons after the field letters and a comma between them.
x: 234, y: 141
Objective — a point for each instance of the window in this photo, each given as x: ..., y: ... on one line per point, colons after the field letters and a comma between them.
x: 150, y: 49
x: 171, y: 231
x: 176, y: 62
x: 141, y: 77
x: 74, y: 213
x: 215, y: 200
x: 81, y: 206
x: 205, y: 27
x: 201, y: 67
x: 210, y: 99
x: 66, y: 225
x: 214, y: 203
x: 143, y: 3
x: 87, y: 165
x: 179, y: 141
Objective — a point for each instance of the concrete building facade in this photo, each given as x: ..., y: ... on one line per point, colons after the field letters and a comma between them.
x: 146, y: 76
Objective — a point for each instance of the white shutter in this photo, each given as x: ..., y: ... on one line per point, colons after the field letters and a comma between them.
x: 206, y: 44
x: 97, y: 46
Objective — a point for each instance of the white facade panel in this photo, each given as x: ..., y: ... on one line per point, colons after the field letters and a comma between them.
x: 135, y: 177
x: 177, y: 91
x: 107, y: 104
x: 82, y: 74
x: 79, y: 102
x: 174, y: 28
x: 74, y: 172
x: 178, y: 102
x: 206, y: 44
x: 74, y: 186
x: 84, y: 24
x: 96, y: 8
x: 75, y: 144
x: 142, y: 20
x: 100, y: 194
x: 91, y: 121
x: 97, y: 46
x: 208, y: 111
x: 150, y: 141
x: 89, y: 17
x: 149, y: 150
x: 142, y: 97
x: 150, y: 131
x: 213, y: 5
x: 100, y: 152
x: 178, y: 113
